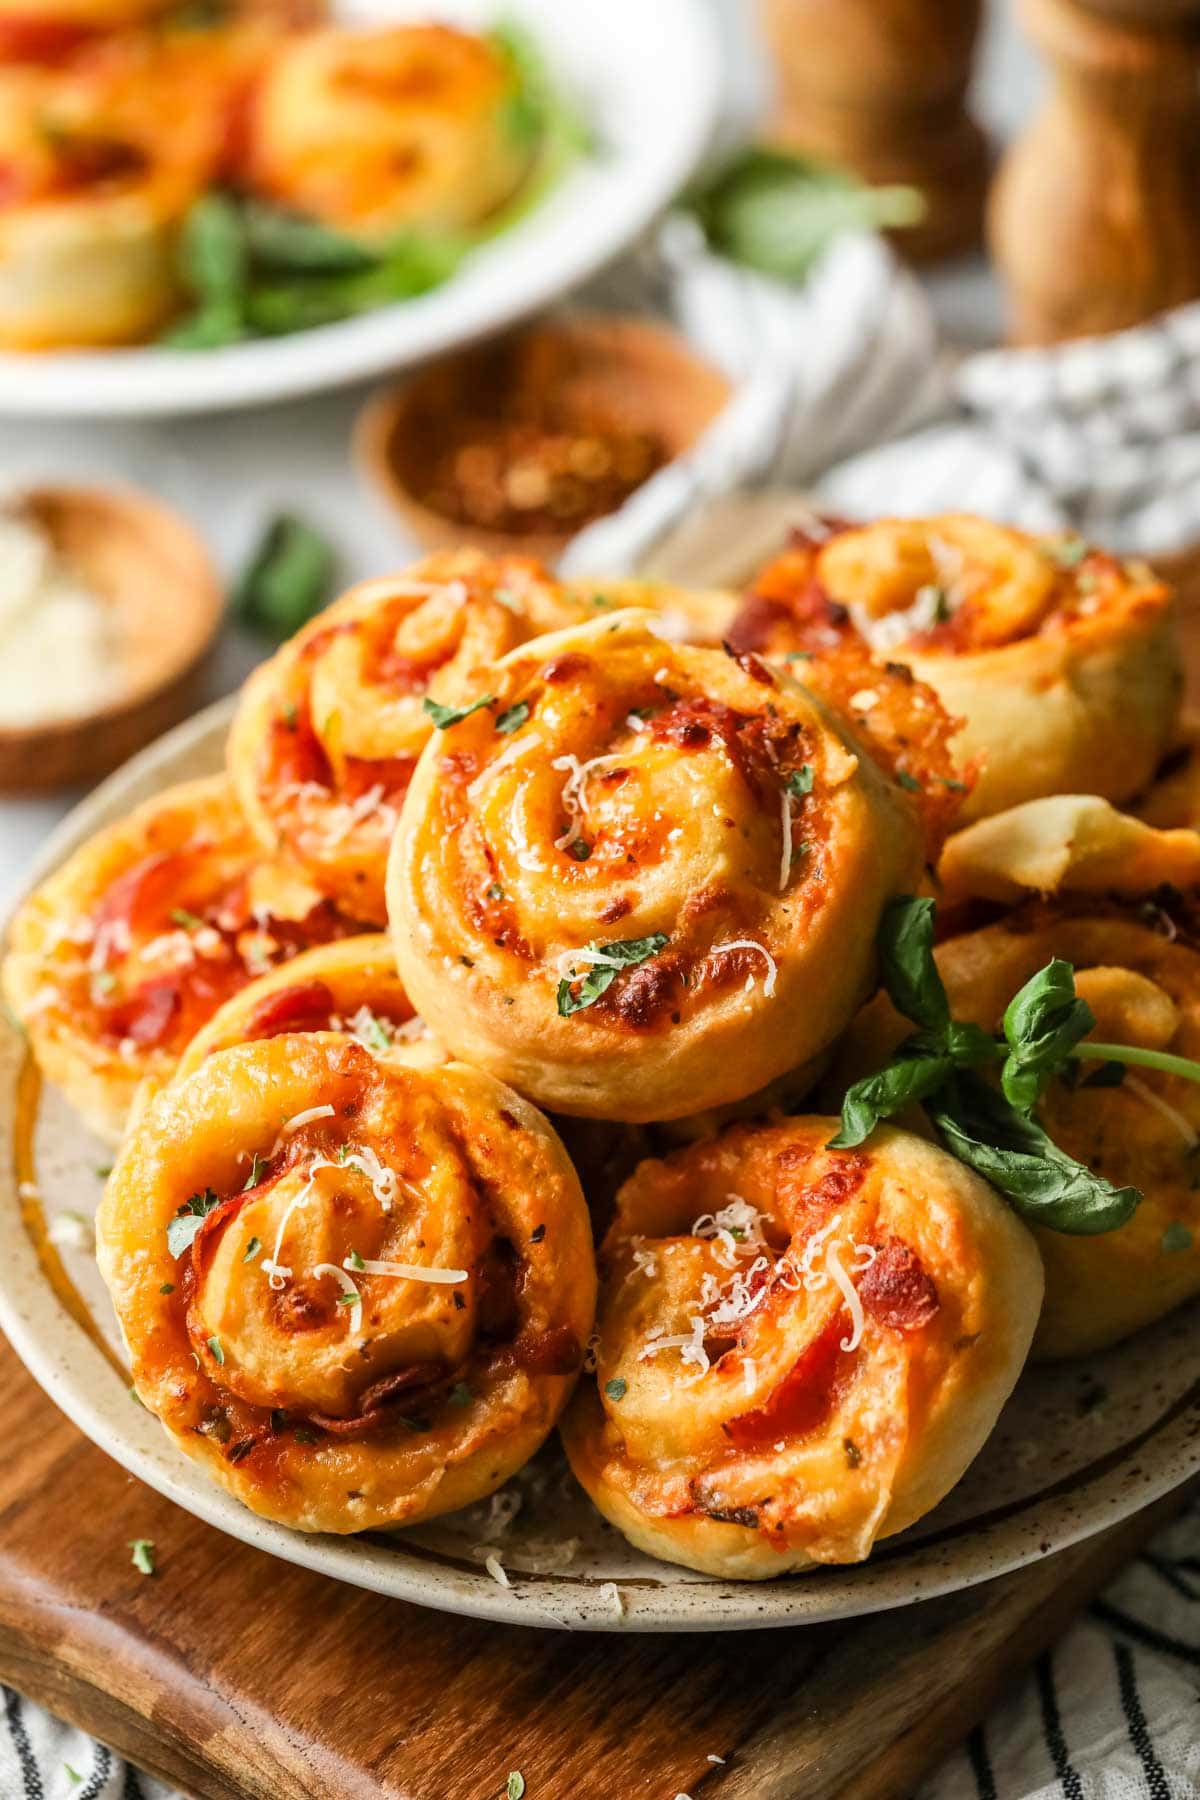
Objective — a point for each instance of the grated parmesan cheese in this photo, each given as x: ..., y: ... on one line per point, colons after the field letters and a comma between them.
x: 304, y: 1118
x: 409, y: 1271
x: 753, y: 944
x: 348, y: 1287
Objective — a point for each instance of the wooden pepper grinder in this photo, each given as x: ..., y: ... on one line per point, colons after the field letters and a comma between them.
x: 880, y: 86
x: 1094, y: 220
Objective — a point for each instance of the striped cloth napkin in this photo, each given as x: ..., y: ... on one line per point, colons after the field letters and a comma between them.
x: 842, y: 387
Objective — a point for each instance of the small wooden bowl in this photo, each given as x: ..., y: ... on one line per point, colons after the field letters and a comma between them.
x: 150, y: 568
x: 608, y: 372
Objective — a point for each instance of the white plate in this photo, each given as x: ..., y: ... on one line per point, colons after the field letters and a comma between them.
x: 646, y: 76
x: 1077, y: 1448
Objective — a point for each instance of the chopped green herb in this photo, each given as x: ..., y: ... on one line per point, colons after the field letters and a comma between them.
x: 1176, y: 1237
x: 444, y: 716
x: 800, y: 781
x: 73, y: 1775
x: 800, y: 849
x: 908, y: 782
x: 936, y: 597
x: 1067, y: 552
x: 136, y: 1397
x: 798, y: 656
x: 606, y: 962
x: 214, y: 1344
x: 287, y: 579
x: 182, y: 1230
x: 257, y: 1165
x: 579, y: 850
x: 104, y: 1170
x: 168, y: 1287
x: 252, y: 1249
x: 617, y: 1388
x: 515, y: 1786
x: 305, y: 1434
x: 143, y: 1555
x: 190, y: 921
x: 495, y: 892
x: 513, y: 717
x: 104, y: 981
x: 288, y: 715
x: 348, y: 1299
x: 355, y: 1260
x: 376, y: 1033
x: 951, y: 782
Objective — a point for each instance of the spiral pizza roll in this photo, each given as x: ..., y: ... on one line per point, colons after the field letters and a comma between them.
x: 118, y: 958
x: 349, y: 986
x: 329, y: 730
x: 1064, y: 844
x: 1141, y: 977
x: 1173, y: 798
x: 644, y: 878
x: 1060, y: 660
x: 100, y: 163
x: 799, y: 1350
x: 410, y: 127
x: 365, y: 1315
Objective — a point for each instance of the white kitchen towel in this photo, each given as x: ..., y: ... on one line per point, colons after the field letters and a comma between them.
x: 842, y: 386
x: 1113, y: 1713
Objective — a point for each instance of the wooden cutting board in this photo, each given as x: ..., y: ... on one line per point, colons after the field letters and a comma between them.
x: 241, y: 1678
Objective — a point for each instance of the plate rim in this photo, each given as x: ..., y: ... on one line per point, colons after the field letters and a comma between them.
x: 147, y: 382
x: 66, y: 1364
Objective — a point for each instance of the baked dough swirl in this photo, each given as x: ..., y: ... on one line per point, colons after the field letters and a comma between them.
x: 1060, y: 660
x: 362, y: 1317
x: 328, y: 731
x: 645, y: 878
x: 349, y: 986
x: 799, y: 1350
x: 1140, y: 974
x: 118, y: 958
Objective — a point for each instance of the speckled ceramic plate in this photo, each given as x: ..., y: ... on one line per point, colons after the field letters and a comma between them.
x: 1077, y: 1448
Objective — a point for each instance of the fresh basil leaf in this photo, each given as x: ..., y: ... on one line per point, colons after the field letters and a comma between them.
x: 623, y: 953
x: 445, y: 716
x: 777, y: 212
x: 909, y: 971
x: 287, y: 579
x: 279, y: 239
x: 212, y: 250
x: 880, y: 1096
x: 1043, y: 1023
x: 1010, y: 1150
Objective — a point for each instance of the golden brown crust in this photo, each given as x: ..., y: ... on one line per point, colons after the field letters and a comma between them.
x: 414, y: 1396
x: 1061, y: 661
x: 1144, y: 990
x: 746, y: 1418
x: 1064, y: 844
x: 118, y: 958
x: 328, y: 731
x: 707, y: 813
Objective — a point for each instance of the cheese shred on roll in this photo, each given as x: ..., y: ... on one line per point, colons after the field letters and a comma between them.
x: 799, y: 1350
x: 358, y: 1294
x: 1140, y: 974
x: 1060, y: 659
x: 638, y: 879
x: 329, y: 730
x: 118, y: 959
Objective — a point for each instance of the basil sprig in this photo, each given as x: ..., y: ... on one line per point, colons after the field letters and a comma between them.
x: 993, y: 1130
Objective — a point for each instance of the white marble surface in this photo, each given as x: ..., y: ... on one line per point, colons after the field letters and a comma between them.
x: 230, y: 472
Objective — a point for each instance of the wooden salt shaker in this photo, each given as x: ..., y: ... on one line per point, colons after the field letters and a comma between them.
x: 1094, y: 220
x: 880, y: 86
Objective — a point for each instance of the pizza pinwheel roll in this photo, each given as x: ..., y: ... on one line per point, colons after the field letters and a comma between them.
x: 100, y: 163
x: 350, y: 986
x: 1060, y: 660
x: 1066, y: 843
x: 116, y: 961
x: 1173, y: 797
x: 405, y: 128
x: 329, y: 730
x: 639, y: 879
x: 1137, y: 1126
x: 799, y: 1350
x: 357, y: 1293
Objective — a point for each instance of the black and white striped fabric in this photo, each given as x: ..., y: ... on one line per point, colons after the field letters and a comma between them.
x: 842, y: 386
x: 1112, y: 1714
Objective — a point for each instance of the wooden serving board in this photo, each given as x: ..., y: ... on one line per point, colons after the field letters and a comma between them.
x: 238, y: 1677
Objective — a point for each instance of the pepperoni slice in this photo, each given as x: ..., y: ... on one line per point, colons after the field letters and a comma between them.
x: 897, y: 1289
x: 305, y: 1006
